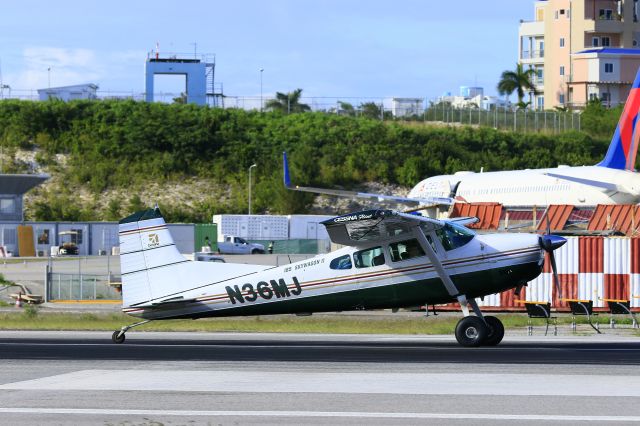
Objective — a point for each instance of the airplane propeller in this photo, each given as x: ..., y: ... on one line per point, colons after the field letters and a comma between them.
x: 549, y: 243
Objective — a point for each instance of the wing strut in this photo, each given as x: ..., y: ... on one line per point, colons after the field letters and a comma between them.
x: 444, y: 277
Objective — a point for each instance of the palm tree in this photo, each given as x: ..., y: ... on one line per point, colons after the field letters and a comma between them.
x: 287, y: 102
x: 517, y: 81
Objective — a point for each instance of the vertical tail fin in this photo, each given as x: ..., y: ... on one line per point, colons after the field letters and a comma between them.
x: 145, y: 245
x: 624, y: 145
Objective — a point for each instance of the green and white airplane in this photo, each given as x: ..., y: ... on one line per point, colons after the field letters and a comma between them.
x: 389, y: 260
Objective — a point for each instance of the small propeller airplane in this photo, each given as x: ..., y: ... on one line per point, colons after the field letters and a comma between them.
x: 389, y: 260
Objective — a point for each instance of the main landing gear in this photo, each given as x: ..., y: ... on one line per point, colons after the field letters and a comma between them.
x: 479, y: 330
x: 118, y: 336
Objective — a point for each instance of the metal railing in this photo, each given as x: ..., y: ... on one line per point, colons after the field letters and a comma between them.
x: 533, y: 54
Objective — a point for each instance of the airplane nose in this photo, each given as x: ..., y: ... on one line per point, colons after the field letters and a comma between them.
x: 550, y: 243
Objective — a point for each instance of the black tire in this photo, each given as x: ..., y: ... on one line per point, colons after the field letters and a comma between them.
x: 496, y: 331
x: 257, y: 251
x: 471, y: 332
x: 116, y: 338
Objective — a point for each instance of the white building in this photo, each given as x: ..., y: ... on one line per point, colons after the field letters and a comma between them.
x: 69, y: 93
x: 403, y: 107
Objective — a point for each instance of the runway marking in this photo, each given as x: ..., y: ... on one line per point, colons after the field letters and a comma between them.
x: 462, y: 383
x: 364, y: 345
x: 329, y: 414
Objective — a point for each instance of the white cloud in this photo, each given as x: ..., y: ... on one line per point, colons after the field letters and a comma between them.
x: 62, y: 66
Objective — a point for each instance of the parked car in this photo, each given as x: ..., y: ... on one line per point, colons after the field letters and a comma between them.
x: 236, y: 245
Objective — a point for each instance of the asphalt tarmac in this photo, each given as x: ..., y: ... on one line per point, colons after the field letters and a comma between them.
x: 208, y: 378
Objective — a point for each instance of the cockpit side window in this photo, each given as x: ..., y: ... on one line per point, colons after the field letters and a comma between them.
x: 405, y: 250
x: 342, y: 262
x: 453, y: 236
x: 369, y: 257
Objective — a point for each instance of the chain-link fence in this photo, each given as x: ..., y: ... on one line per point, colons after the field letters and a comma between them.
x: 80, y: 287
x: 505, y: 119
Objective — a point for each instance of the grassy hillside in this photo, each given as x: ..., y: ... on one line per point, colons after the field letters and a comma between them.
x: 111, y: 157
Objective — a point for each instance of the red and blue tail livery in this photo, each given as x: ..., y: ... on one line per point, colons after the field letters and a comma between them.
x: 624, y: 145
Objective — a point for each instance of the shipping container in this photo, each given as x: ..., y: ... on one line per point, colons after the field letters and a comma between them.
x: 252, y: 227
x: 308, y: 227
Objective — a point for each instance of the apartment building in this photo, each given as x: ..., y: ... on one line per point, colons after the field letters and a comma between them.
x: 581, y: 50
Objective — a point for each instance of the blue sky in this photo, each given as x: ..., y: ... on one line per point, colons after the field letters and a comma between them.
x: 348, y: 48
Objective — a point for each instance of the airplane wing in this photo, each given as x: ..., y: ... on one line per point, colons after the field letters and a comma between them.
x: 372, y: 226
x: 607, y: 186
x: 354, y: 194
x: 464, y: 221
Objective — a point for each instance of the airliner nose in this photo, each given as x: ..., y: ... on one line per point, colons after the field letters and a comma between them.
x: 551, y: 242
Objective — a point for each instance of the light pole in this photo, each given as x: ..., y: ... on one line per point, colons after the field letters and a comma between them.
x: 49, y: 78
x: 261, y: 70
x: 250, y: 167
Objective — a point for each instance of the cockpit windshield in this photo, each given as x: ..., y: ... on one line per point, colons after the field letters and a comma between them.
x: 453, y: 236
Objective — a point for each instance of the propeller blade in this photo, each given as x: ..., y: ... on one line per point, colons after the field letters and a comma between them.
x: 549, y: 243
x: 556, y: 280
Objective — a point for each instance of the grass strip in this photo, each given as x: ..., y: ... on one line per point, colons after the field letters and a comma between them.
x: 34, y: 319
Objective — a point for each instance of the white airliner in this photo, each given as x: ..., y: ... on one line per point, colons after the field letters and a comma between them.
x: 390, y: 260
x: 612, y: 181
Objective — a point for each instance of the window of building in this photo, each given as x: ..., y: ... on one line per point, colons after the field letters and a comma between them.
x: 608, y: 67
x: 562, y: 70
x: 43, y: 236
x: 556, y: 14
x: 606, y: 14
x: 595, y: 41
x: 77, y: 237
x: 9, y: 236
x: 7, y: 206
x: 605, y: 97
x: 606, y: 41
x: 540, y: 102
x: 568, y: 13
x: 561, y: 41
x: 405, y: 250
x: 561, y: 98
x: 369, y: 257
x: 342, y: 262
x: 593, y: 96
x: 561, y: 11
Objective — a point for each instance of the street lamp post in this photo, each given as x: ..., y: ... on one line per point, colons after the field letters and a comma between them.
x: 261, y: 70
x: 250, y: 167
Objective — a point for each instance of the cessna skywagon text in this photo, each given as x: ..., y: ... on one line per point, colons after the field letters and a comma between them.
x: 390, y: 260
x: 612, y: 181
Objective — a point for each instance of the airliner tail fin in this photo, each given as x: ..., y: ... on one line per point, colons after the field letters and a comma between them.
x: 624, y: 145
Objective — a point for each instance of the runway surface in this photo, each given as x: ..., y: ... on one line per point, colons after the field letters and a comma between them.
x: 202, y: 378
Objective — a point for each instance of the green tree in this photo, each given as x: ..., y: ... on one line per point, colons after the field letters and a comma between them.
x: 287, y: 103
x: 346, y: 108
x: 519, y: 81
x: 371, y: 110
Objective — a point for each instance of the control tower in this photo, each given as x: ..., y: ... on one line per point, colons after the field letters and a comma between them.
x: 199, y: 73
